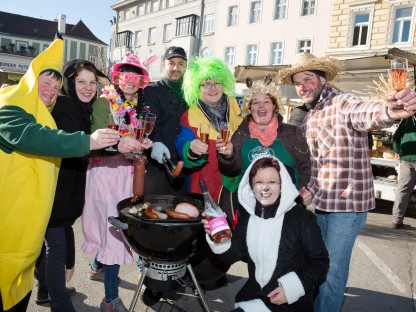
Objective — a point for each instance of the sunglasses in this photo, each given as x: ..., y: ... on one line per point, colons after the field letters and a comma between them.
x: 122, y: 78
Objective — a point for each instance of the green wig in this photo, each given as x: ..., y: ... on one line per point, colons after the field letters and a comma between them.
x: 202, y: 69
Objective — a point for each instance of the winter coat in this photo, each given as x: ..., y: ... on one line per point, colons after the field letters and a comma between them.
x: 291, y: 239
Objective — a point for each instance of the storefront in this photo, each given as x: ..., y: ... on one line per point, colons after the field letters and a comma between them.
x: 12, y: 67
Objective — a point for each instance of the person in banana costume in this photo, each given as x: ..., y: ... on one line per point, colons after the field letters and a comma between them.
x: 30, y: 153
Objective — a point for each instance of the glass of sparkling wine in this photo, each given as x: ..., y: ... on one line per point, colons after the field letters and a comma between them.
x: 149, y: 123
x: 139, y: 132
x: 224, y: 133
x: 204, y: 132
x: 398, y: 76
x: 113, y: 123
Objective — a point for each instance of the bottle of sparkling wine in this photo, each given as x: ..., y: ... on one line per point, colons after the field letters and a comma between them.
x: 218, y: 225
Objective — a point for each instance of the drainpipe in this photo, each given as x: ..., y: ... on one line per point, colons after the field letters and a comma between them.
x: 199, y: 41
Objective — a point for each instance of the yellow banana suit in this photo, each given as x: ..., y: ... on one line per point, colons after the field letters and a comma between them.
x: 27, y: 186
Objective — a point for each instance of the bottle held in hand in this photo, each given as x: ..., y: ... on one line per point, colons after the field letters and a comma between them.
x: 218, y: 225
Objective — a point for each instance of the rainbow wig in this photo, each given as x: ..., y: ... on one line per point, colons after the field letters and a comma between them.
x: 202, y: 69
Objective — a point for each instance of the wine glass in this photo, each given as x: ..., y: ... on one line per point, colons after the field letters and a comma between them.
x: 204, y: 132
x: 139, y: 132
x: 113, y: 122
x: 149, y: 123
x: 398, y: 73
x: 398, y: 77
x: 224, y: 133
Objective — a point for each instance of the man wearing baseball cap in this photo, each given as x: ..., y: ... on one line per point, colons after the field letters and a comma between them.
x: 166, y: 100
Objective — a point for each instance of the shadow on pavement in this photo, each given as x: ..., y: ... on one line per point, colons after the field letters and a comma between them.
x: 375, y: 301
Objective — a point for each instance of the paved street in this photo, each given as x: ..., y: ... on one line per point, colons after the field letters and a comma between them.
x: 381, y: 278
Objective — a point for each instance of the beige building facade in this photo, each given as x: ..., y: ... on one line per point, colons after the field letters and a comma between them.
x: 242, y: 32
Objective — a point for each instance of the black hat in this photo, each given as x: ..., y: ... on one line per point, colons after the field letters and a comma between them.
x: 175, y: 52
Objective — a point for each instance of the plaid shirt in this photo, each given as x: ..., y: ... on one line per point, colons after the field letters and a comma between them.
x: 337, y: 134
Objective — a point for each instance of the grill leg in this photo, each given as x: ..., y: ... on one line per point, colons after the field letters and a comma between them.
x: 146, y: 265
x: 198, y: 288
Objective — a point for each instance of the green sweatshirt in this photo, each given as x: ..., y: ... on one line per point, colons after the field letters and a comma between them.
x: 404, y: 139
x: 20, y: 132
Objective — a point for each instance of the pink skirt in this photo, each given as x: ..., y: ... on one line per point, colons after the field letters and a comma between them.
x: 109, y: 180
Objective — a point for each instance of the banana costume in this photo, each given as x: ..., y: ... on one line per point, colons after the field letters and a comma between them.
x: 27, y: 186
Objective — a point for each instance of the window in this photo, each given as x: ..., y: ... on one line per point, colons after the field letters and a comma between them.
x: 209, y: 23
x: 255, y: 11
x: 361, y: 24
x: 186, y: 26
x: 152, y: 35
x: 304, y: 46
x: 252, y: 54
x: 276, y: 53
x: 229, y: 56
x: 155, y: 6
x: 206, y: 52
x: 308, y: 7
x: 124, y: 39
x: 126, y: 15
x: 138, y: 38
x: 142, y: 10
x: 232, y: 15
x: 167, y: 32
x: 280, y: 11
x: 169, y: 3
x: 401, y: 25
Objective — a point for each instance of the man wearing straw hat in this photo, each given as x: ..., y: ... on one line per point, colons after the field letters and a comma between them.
x: 341, y: 186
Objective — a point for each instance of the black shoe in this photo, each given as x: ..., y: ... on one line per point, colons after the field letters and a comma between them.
x: 42, y: 295
x: 150, y: 297
x: 397, y: 225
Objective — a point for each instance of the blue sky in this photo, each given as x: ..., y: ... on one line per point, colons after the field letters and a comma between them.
x: 96, y: 14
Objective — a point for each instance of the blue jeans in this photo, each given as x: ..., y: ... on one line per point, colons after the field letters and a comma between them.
x: 110, y: 278
x: 405, y: 185
x: 339, y: 232
x: 51, y: 270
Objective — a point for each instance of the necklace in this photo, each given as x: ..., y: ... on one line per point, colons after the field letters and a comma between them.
x: 121, y: 108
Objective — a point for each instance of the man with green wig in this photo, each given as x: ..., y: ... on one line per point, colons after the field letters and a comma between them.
x: 30, y: 153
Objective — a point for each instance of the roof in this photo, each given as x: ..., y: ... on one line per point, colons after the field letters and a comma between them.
x: 36, y: 28
x: 357, y: 75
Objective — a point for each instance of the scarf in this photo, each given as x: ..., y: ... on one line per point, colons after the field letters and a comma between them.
x: 266, y: 136
x: 216, y: 114
x: 175, y: 85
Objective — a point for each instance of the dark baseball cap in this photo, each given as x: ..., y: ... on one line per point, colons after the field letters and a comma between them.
x: 175, y: 52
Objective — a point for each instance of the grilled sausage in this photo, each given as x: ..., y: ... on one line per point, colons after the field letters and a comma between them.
x: 155, y: 212
x: 178, y: 169
x: 177, y: 215
x: 150, y: 214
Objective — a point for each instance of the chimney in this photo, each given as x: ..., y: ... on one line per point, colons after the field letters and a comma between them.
x: 62, y: 23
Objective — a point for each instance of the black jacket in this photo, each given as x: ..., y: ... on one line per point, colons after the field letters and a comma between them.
x: 284, y: 245
x: 168, y: 107
x: 70, y: 115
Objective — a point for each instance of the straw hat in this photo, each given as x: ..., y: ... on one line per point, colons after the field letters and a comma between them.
x: 307, y: 62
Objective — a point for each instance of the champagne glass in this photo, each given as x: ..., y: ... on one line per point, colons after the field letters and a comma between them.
x: 398, y: 77
x: 139, y: 131
x: 149, y: 123
x: 204, y: 132
x: 224, y: 133
x: 113, y: 123
x: 398, y: 73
